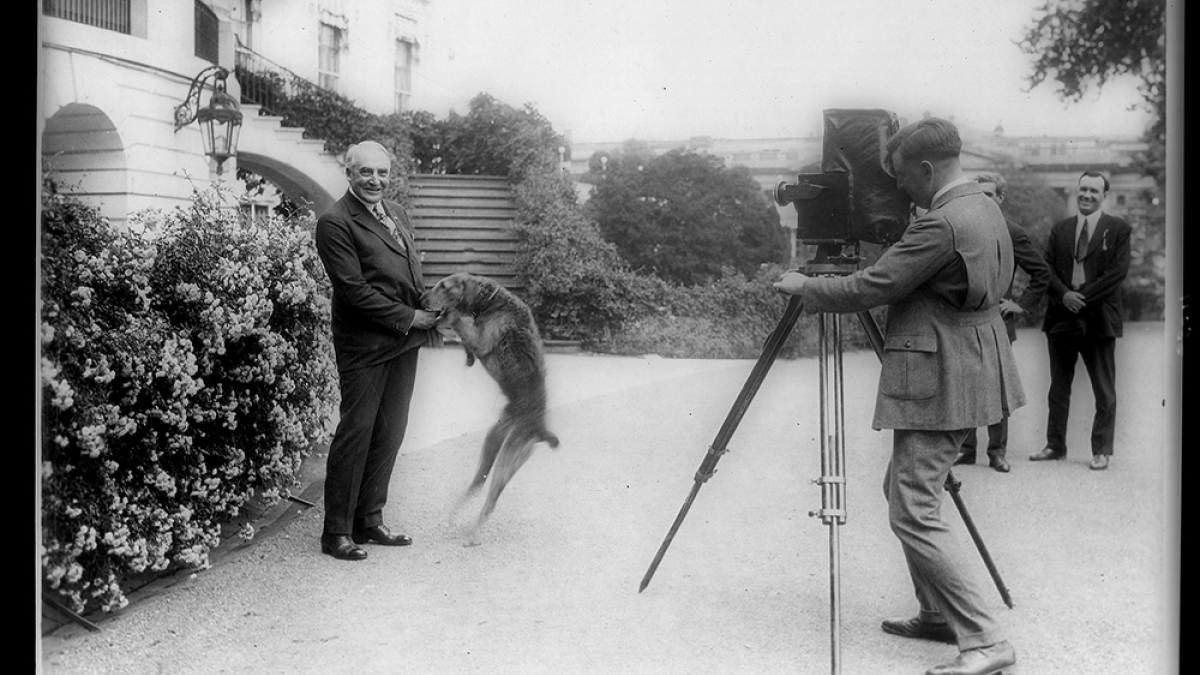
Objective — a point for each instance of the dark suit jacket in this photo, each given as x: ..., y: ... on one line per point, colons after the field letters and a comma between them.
x: 377, y: 283
x: 947, y: 362
x: 1031, y: 262
x: 1104, y: 267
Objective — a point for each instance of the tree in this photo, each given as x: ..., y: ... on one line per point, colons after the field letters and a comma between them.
x: 684, y: 216
x: 1078, y: 42
x: 496, y: 139
x: 1031, y: 203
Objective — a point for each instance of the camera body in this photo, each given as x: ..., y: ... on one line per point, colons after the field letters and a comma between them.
x: 855, y: 197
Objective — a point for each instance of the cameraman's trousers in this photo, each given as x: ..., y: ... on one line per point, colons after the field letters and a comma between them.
x: 914, y: 486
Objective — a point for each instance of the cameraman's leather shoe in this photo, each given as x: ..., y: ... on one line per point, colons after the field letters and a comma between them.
x: 1000, y: 464
x: 921, y: 630
x: 964, y: 458
x: 990, y: 660
x: 379, y: 534
x: 340, y: 547
x: 1099, y: 462
x: 1046, y: 454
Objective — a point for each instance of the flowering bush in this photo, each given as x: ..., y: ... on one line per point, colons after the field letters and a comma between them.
x: 186, y: 366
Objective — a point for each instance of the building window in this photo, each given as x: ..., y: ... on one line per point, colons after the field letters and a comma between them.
x: 403, y: 77
x: 329, y: 56
x: 107, y: 14
x: 207, y: 33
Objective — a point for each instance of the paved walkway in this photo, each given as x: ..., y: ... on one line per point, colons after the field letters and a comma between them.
x: 744, y: 587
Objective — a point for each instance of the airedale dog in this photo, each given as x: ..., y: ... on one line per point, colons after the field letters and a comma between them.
x: 497, y: 329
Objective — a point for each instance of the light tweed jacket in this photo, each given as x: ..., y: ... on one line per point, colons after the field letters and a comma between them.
x: 947, y: 360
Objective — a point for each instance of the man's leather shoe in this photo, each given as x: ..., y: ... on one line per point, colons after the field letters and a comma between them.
x: 921, y: 630
x: 1046, y: 454
x: 964, y: 459
x: 990, y: 660
x: 1099, y: 462
x: 340, y: 547
x: 379, y: 534
x: 1000, y: 464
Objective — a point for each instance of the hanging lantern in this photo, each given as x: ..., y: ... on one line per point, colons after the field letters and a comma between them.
x: 220, y: 121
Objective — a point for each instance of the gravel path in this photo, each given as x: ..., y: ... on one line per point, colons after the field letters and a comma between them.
x: 744, y: 587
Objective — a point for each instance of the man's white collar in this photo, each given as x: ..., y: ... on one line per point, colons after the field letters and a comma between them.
x: 946, y: 188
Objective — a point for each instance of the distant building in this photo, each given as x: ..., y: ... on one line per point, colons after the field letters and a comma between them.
x: 1057, y: 160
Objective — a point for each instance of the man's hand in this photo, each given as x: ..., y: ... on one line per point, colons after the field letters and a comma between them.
x: 1074, y: 301
x: 1009, y: 308
x: 423, y: 319
x: 791, y: 282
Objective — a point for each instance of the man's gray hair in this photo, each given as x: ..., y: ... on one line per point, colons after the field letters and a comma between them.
x: 354, y: 152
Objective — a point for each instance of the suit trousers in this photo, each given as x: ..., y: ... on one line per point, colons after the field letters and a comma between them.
x: 1100, y: 361
x: 997, y: 442
x: 374, y: 417
x: 914, y: 486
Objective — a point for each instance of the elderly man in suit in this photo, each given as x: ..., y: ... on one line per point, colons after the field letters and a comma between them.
x: 947, y: 368
x: 1029, y: 261
x: 366, y: 245
x: 1088, y: 254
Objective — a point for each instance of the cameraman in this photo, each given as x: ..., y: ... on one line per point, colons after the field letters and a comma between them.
x: 947, y: 369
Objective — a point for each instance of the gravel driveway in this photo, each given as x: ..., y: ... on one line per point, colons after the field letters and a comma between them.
x: 744, y: 587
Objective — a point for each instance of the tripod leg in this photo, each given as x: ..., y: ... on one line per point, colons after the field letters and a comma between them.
x: 771, y: 349
x: 952, y: 485
x: 833, y: 461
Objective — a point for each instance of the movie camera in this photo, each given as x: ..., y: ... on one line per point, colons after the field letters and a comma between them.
x: 854, y: 198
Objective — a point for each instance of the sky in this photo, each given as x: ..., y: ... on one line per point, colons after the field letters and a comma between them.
x: 612, y: 70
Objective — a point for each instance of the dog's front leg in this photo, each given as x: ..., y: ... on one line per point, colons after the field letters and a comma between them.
x: 464, y: 327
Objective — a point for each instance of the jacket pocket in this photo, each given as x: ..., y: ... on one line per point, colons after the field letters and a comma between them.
x: 910, y: 367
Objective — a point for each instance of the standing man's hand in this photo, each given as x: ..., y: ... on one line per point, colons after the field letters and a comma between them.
x: 1074, y: 301
x: 1009, y: 308
x: 423, y: 319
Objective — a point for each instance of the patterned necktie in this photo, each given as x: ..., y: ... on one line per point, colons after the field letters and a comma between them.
x: 389, y: 224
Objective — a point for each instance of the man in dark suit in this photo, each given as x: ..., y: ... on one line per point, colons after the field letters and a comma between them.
x: 366, y: 245
x: 947, y: 368
x: 1029, y: 261
x: 1088, y: 254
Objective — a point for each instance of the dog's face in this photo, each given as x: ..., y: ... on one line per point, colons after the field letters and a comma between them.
x: 450, y: 292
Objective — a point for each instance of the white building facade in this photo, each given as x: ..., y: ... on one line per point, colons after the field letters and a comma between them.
x: 112, y: 72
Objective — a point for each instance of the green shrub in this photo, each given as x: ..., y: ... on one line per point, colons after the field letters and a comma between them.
x: 186, y: 366
x: 730, y: 318
x: 575, y: 283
